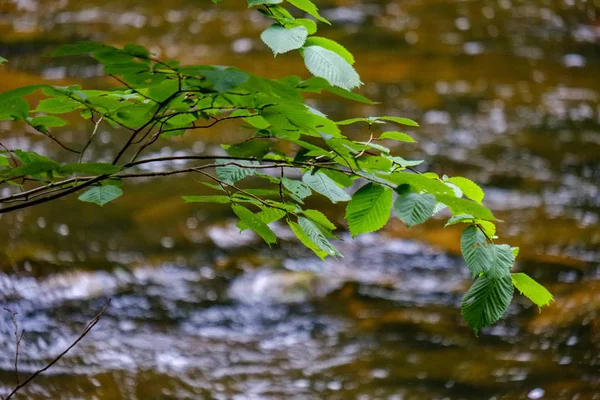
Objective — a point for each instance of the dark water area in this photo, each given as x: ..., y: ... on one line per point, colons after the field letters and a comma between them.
x: 507, y: 94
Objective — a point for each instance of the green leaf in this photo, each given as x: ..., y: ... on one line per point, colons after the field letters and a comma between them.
x: 305, y: 240
x: 90, y: 168
x: 225, y: 79
x: 309, y: 24
x: 13, y: 109
x: 32, y: 169
x: 277, y: 13
x: 316, y: 84
x: 82, y: 47
x: 468, y: 187
x: 478, y: 253
x: 399, y: 120
x: 399, y: 136
x: 309, y: 7
x: 264, y: 192
x: 487, y: 301
x: 375, y: 146
x: 515, y: 251
x: 374, y: 164
x: 414, y: 208
x: 254, y: 3
x: 340, y: 178
x: 4, y: 160
x: 57, y: 105
x: 267, y: 215
x: 324, y: 185
x: 503, y: 261
x: 28, y: 157
x: 535, y: 292
x: 232, y: 173
x: 463, y: 206
x: 101, y: 194
x: 369, y: 209
x: 460, y: 218
x: 419, y: 182
x: 253, y: 222
x: 207, y: 199
x: 314, y: 233
x: 331, y: 45
x: 402, y: 162
x: 49, y: 121
x: 33, y: 165
x: 368, y: 120
x: 136, y: 50
x: 488, y: 227
x: 250, y: 148
x: 319, y: 218
x: 3, y: 60
x: 281, y: 39
x: 20, y: 92
x: 331, y: 66
x: 297, y: 188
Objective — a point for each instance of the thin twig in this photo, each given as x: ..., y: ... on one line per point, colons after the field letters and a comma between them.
x: 55, y: 140
x: 88, y: 181
x: 10, y: 154
x: 145, y: 125
x: 18, y: 339
x: 90, y: 139
x: 281, y: 185
x: 238, y: 189
x: 66, y: 192
x: 134, y: 90
x: 85, y: 331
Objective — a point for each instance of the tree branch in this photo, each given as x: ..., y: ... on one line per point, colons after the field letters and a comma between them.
x: 87, y: 181
x: 89, y: 140
x: 85, y: 331
x: 18, y: 339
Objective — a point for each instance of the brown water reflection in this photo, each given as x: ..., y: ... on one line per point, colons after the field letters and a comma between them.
x: 506, y: 93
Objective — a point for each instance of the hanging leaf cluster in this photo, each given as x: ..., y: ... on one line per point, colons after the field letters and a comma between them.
x: 295, y: 150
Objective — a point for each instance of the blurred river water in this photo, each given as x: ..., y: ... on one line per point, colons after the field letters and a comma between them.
x: 507, y: 93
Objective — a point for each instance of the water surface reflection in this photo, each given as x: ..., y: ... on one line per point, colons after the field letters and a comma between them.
x: 506, y: 93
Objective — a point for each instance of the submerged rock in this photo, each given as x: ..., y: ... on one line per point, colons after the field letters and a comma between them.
x: 280, y: 286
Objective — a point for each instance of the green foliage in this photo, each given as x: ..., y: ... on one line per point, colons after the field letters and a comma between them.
x: 369, y: 209
x: 230, y: 174
x: 281, y: 39
x: 296, y: 188
x: 414, y: 208
x: 309, y: 7
x: 90, y: 169
x: 532, y: 290
x: 486, y: 301
x: 399, y: 136
x: 489, y: 297
x: 399, y: 120
x: 317, y: 235
x: 323, y: 184
x: 331, y: 66
x: 208, y: 199
x: 296, y: 153
x: 255, y: 223
x: 101, y: 194
x: 468, y: 187
x: 305, y: 240
x: 331, y: 45
x: 478, y: 253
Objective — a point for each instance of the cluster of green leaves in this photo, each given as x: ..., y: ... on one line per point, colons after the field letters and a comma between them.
x: 323, y: 57
x: 161, y: 99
